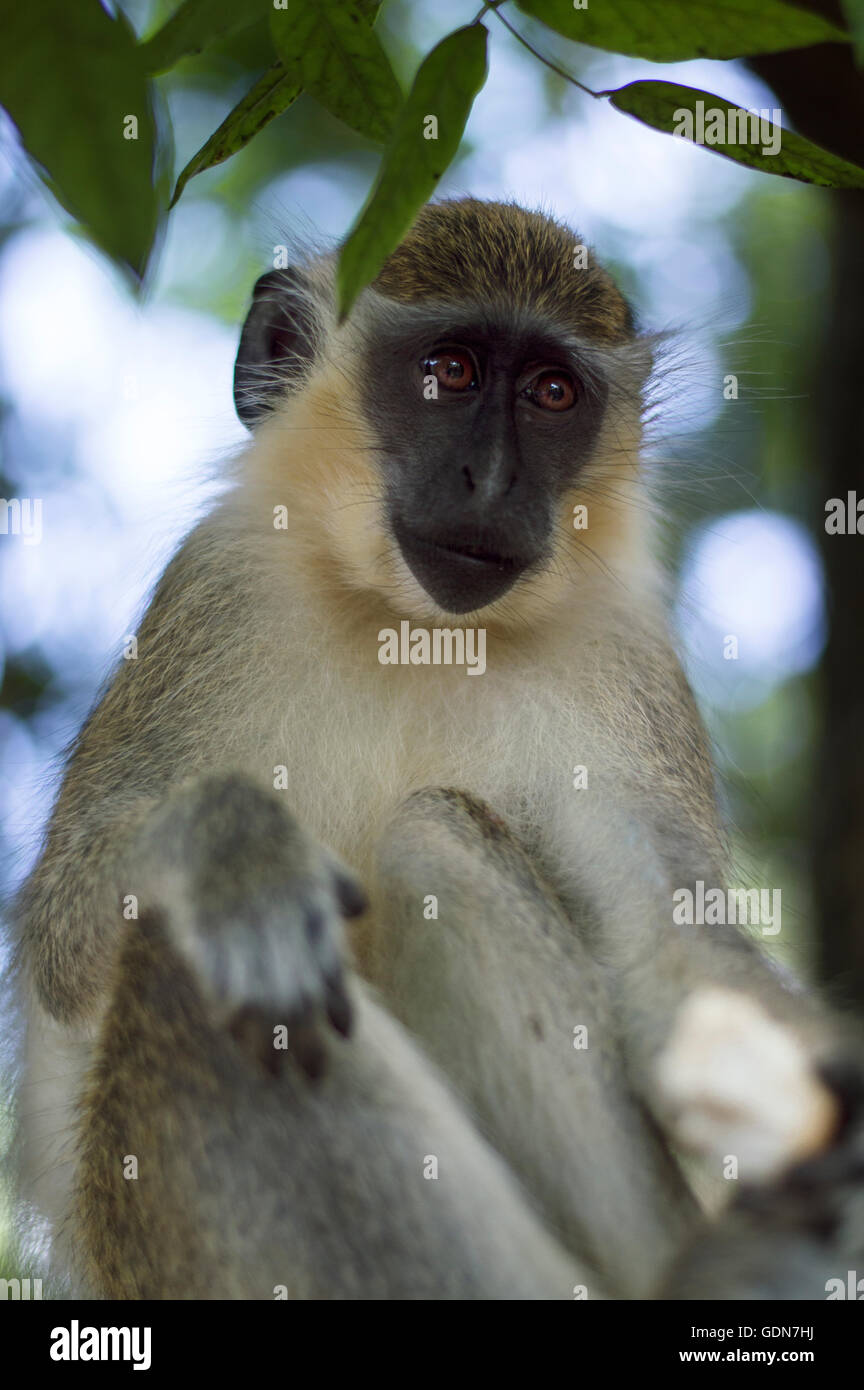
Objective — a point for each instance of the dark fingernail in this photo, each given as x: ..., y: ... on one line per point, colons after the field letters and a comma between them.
x: 308, y: 1050
x: 314, y: 925
x: 352, y: 898
x: 340, y: 1010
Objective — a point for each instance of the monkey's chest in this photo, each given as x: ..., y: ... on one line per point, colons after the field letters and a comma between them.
x: 352, y: 759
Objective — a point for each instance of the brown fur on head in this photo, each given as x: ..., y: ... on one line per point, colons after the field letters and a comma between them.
x: 464, y: 249
x: 320, y: 454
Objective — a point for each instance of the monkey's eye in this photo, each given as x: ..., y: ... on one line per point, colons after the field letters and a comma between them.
x: 453, y: 368
x: 552, y: 390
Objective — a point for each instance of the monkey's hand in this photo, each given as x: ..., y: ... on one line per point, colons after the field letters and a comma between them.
x: 736, y: 1084
x: 798, y: 1236
x: 255, y: 908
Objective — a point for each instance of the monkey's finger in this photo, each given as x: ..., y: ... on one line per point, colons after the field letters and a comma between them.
x: 307, y: 1046
x: 252, y: 1031
x: 350, y: 895
x: 340, y: 1010
x: 352, y: 899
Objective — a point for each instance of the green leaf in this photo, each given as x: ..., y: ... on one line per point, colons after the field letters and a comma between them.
x: 341, y: 61
x: 661, y: 104
x: 669, y: 31
x: 445, y: 86
x: 854, y: 13
x: 70, y: 78
x: 272, y: 94
x: 195, y: 25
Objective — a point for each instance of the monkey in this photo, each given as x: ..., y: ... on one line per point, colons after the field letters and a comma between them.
x: 314, y: 937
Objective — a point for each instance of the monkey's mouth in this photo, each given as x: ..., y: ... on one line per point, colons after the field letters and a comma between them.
x: 476, y: 552
x: 459, y: 575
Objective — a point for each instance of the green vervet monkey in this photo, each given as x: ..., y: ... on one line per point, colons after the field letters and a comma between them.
x: 341, y: 982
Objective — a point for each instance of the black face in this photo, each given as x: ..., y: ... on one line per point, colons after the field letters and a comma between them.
x: 481, y: 430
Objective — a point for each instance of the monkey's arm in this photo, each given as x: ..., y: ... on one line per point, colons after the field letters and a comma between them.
x: 168, y: 714
x: 729, y: 1055
x: 724, y: 1046
x: 719, y: 1042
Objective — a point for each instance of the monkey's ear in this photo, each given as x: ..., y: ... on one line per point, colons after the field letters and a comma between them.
x: 277, y: 343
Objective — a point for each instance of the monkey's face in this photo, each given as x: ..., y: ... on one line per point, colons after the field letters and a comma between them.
x: 488, y: 384
x: 481, y: 426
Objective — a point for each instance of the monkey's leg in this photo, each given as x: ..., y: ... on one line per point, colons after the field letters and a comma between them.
x: 507, y: 1000
x: 210, y: 1165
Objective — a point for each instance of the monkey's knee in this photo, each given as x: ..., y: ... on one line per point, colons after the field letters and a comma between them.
x: 447, y: 853
x: 454, y: 812
x: 469, y: 938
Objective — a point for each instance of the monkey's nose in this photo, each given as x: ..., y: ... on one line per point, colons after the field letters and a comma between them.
x: 489, y: 483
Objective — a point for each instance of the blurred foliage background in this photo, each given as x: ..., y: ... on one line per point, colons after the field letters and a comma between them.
x: 117, y: 413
